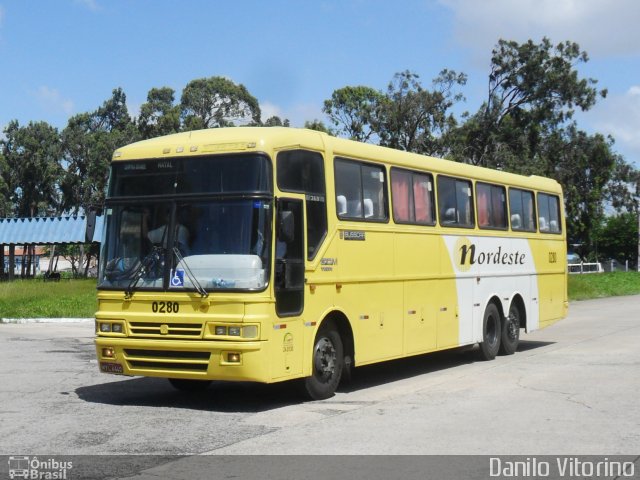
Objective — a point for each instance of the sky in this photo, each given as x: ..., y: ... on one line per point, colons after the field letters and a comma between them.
x: 63, y: 57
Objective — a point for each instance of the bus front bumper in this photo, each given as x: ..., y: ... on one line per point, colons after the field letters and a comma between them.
x: 198, y: 360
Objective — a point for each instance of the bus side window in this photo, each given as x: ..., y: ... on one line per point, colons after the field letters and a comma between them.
x: 454, y: 202
x: 549, y: 213
x: 412, y: 197
x: 302, y: 171
x: 491, y: 205
x: 522, y: 210
x: 360, y: 191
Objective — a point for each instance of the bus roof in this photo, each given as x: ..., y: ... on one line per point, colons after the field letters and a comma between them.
x: 265, y: 139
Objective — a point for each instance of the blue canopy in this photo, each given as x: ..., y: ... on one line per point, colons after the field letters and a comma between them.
x: 46, y: 230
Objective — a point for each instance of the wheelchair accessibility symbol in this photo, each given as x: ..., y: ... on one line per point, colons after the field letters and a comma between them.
x: 177, y: 280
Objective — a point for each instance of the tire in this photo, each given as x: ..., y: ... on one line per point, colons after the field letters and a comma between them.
x: 511, y: 331
x: 185, y: 385
x: 328, y: 363
x: 491, y: 333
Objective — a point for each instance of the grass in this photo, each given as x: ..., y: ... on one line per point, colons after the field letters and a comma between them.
x: 38, y: 299
x: 77, y: 298
x: 599, y: 285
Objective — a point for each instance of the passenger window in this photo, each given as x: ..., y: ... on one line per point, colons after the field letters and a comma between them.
x: 412, y: 197
x: 549, y: 213
x: 491, y: 205
x: 522, y: 210
x: 360, y: 191
x: 302, y: 171
x: 454, y: 203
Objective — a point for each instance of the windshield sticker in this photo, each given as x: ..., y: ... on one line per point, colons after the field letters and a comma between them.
x: 177, y: 278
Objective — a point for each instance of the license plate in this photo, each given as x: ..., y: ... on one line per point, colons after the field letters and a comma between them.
x: 107, y: 367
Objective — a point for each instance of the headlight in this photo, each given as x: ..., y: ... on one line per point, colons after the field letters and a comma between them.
x: 116, y: 328
x: 239, y: 331
x: 105, y: 327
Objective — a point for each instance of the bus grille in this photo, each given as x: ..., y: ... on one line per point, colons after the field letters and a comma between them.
x: 167, y: 360
x: 173, y: 330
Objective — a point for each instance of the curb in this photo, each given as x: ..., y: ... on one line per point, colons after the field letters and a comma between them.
x: 45, y: 320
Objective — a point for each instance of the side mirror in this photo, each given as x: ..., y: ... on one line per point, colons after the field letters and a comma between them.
x: 286, y: 225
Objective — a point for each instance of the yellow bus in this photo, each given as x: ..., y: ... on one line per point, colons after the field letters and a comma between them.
x: 270, y: 254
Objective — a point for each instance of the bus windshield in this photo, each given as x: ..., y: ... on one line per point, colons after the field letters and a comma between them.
x: 171, y: 230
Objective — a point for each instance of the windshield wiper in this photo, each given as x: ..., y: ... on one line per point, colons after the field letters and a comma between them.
x: 203, y: 293
x: 149, y: 260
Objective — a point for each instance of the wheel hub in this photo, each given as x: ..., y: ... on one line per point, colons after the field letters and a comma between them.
x: 325, y: 358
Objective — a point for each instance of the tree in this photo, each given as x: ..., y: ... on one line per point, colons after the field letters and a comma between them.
x: 276, y: 121
x: 618, y: 237
x: 6, y: 209
x: 352, y: 111
x: 526, y: 126
x: 33, y: 170
x: 414, y: 119
x: 89, y: 141
x: 584, y: 166
x: 533, y: 89
x: 217, y: 102
x: 159, y: 115
x: 318, y: 125
x: 623, y: 189
x: 406, y: 116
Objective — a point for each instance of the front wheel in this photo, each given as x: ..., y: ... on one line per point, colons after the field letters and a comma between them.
x: 511, y: 331
x: 491, y: 333
x: 328, y: 362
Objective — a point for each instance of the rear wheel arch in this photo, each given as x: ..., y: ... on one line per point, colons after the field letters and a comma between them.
x: 496, y: 301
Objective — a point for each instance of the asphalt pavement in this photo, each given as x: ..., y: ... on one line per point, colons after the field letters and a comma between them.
x: 573, y: 388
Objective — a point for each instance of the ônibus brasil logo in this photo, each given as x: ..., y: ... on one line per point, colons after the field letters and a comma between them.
x: 34, y: 468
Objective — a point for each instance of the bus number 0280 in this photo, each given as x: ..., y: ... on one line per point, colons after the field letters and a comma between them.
x: 165, y: 307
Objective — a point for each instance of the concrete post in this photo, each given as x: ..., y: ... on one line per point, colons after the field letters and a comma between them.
x: 12, y: 261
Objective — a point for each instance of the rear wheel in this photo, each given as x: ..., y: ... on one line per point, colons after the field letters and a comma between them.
x: 185, y: 385
x: 511, y: 331
x: 491, y: 333
x: 328, y: 362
